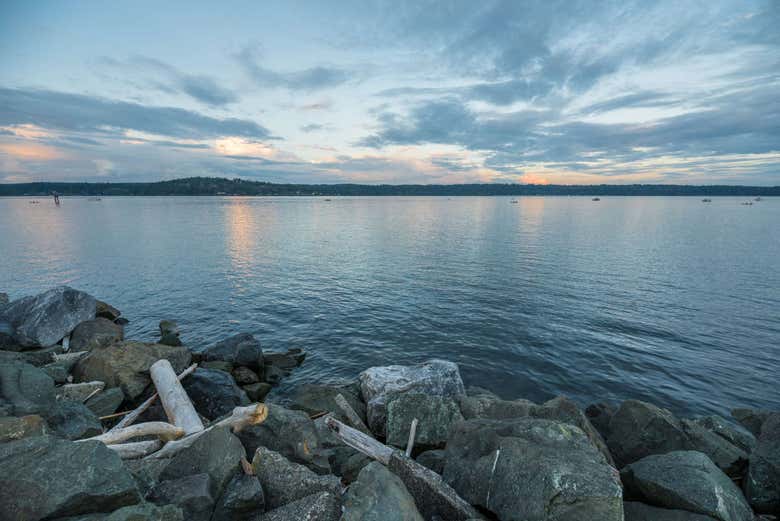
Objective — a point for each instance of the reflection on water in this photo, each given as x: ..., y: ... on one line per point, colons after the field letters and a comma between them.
x: 663, y: 299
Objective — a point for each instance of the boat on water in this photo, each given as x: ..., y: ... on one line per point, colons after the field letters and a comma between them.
x: 596, y: 199
x: 34, y: 202
x: 514, y: 201
x: 706, y: 200
x: 757, y: 199
x: 747, y: 203
x: 94, y: 199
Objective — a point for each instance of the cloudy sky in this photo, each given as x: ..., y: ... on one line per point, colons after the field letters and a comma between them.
x: 392, y: 92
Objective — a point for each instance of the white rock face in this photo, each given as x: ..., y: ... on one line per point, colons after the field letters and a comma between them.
x: 379, y: 384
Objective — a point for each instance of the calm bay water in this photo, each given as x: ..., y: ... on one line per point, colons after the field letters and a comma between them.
x: 663, y: 299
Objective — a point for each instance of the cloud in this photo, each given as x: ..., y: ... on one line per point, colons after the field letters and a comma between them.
x: 314, y: 78
x: 82, y: 113
x: 313, y: 127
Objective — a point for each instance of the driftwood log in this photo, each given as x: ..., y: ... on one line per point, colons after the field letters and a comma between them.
x: 175, y: 401
x: 412, y: 434
x: 137, y: 449
x: 162, y: 430
x: 350, y: 413
x: 433, y: 497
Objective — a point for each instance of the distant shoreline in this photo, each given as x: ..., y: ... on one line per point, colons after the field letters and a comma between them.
x: 206, y: 186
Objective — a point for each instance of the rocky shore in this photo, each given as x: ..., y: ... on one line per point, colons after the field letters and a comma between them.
x: 85, y: 436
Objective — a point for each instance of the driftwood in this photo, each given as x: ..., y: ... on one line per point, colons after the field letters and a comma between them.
x: 175, y: 401
x: 134, y: 414
x: 66, y: 343
x: 350, y: 413
x: 164, y: 431
x: 412, y: 434
x: 238, y: 419
x: 433, y: 497
x: 67, y: 357
x: 93, y: 393
x: 137, y: 449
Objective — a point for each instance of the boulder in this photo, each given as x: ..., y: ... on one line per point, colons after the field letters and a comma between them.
x: 146, y: 472
x: 37, y: 357
x: 80, y: 391
x: 107, y: 311
x: 139, y: 512
x: 13, y: 428
x: 214, y: 393
x: 685, y: 480
x: 242, y: 349
x: 291, y: 433
x: 273, y: 375
x: 635, y: 511
x: 317, y: 507
x: 432, y: 459
x: 379, y: 384
x: 47, y: 477
x: 379, y: 495
x: 98, y: 332
x: 169, y: 333
x: 257, y: 392
x: 44, y: 319
x: 245, y: 376
x: 217, y: 364
x: 242, y: 499
x: 284, y: 481
x: 3, y: 300
x: 73, y: 420
x: 491, y: 407
x: 733, y: 433
x: 762, y: 484
x: 56, y: 372
x: 287, y: 361
x: 435, y: 414
x: 530, y: 469
x: 217, y: 453
x: 751, y: 419
x: 25, y: 389
x: 191, y: 493
x: 600, y: 414
x: 344, y: 461
x: 126, y: 365
x: 315, y: 398
x: 728, y: 457
x: 106, y: 402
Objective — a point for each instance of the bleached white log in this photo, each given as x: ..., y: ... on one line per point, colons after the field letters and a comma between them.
x: 164, y: 431
x: 178, y: 406
x: 66, y: 343
x: 360, y: 441
x: 137, y: 449
x: 412, y: 434
x: 350, y: 413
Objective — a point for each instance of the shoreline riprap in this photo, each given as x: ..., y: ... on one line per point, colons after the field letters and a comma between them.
x: 70, y: 382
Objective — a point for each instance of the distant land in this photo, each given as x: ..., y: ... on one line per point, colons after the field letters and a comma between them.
x: 220, y: 186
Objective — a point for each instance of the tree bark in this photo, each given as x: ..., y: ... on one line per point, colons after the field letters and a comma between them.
x: 175, y: 401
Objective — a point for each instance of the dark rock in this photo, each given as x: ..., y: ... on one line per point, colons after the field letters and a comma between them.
x: 762, y: 485
x: 728, y: 457
x: 379, y: 384
x: 379, y: 495
x: 146, y: 472
x: 13, y: 428
x: 288, y: 361
x: 284, y: 481
x: 126, y: 365
x: 169, y: 333
x: 214, y: 393
x: 191, y: 493
x: 25, y: 389
x: 685, y: 480
x: 257, y: 392
x: 73, y: 420
x: 436, y: 416
x: 98, y: 332
x: 635, y: 511
x: 315, y: 398
x: 474, y: 390
x: 57, y: 372
x: 106, y: 402
x: 107, y: 311
x: 317, y: 507
x: 751, y: 419
x: 600, y: 415
x: 490, y: 407
x: 44, y: 319
x: 78, y: 392
x: 3, y: 300
x: 531, y: 469
x: 36, y: 357
x: 291, y: 433
x: 217, y: 453
x: 139, y: 512
x: 47, y: 477
x: 734, y: 434
x: 241, y: 501
x: 121, y: 321
x: 218, y: 365
x: 344, y: 461
x: 245, y: 376
x: 273, y: 374
x: 433, y: 459
x: 242, y: 349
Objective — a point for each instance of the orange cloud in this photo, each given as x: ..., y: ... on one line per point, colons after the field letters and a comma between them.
x: 30, y: 151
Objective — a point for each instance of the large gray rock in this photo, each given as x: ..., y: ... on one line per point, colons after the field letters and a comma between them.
x: 600, y: 414
x: 13, y: 428
x: 217, y: 453
x: 43, y: 320
x: 491, y: 407
x: 435, y: 414
x: 432, y: 459
x: 762, y: 484
x: 728, y: 457
x: 635, y: 511
x: 37, y: 357
x: 242, y: 349
x: 530, y: 469
x: 169, y: 333
x: 242, y: 499
x: 191, y: 493
x: 126, y: 365
x: 379, y: 495
x: 98, y: 332
x: 317, y: 507
x: 139, y: 512
x: 25, y: 389
x: 73, y: 420
x: 47, y: 477
x: 284, y: 481
x: 686, y: 480
x: 315, y: 398
x: 379, y: 384
x: 3, y: 300
x: 751, y: 419
x: 733, y: 433
x: 214, y: 393
x: 146, y: 472
x: 290, y: 433
x: 107, y: 311
x: 106, y: 402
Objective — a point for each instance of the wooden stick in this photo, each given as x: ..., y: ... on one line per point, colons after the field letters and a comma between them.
x: 247, y: 467
x: 350, y: 413
x: 115, y: 415
x: 164, y: 431
x: 134, y: 414
x: 360, y: 441
x: 93, y: 393
x: 137, y: 449
x: 412, y: 434
x: 178, y: 406
x: 66, y: 343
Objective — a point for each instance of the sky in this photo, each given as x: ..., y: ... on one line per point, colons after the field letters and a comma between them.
x: 574, y: 92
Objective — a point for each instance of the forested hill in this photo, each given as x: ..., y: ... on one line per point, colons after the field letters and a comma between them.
x: 219, y: 186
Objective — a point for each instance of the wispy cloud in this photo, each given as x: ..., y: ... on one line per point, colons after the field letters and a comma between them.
x: 311, y: 79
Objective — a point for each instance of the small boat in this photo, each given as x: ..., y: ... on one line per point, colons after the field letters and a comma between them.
x: 514, y: 201
x: 747, y: 203
x: 706, y: 200
x: 757, y: 199
x: 327, y: 199
x: 94, y: 199
x: 596, y: 199
x: 34, y: 202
